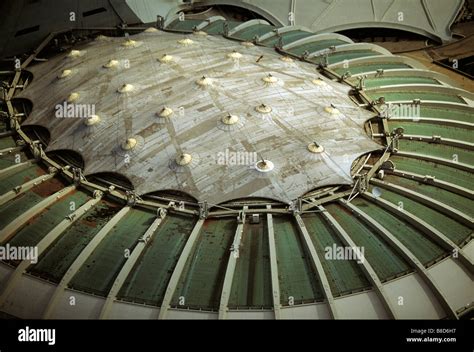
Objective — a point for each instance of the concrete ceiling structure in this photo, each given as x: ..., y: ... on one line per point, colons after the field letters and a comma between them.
x: 299, y: 103
x: 137, y: 250
x: 431, y: 18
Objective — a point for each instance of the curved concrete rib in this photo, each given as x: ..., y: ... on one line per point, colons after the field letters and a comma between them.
x: 462, y: 191
x: 403, y: 72
x: 406, y: 253
x: 283, y: 30
x: 441, y: 140
x: 425, y: 200
x: 4, y: 198
x: 352, y: 47
x: 128, y: 266
x: 430, y: 88
x: 11, y: 170
x: 367, y: 268
x: 435, y: 121
x: 231, y: 264
x: 316, y: 38
x: 378, y: 60
x: 246, y: 25
x: 11, y: 150
x: 317, y: 266
x: 273, y: 266
x: 44, y: 244
x: 424, y: 227
x: 178, y: 270
x: 437, y: 160
x: 80, y: 260
x: 9, y: 230
x: 208, y: 22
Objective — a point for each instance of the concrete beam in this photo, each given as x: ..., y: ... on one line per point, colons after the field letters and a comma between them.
x: 80, y: 260
x: 379, y: 60
x: 465, y: 192
x: 435, y: 121
x: 45, y: 243
x: 405, y: 253
x: 283, y: 30
x: 432, y: 203
x: 9, y: 230
x: 231, y: 264
x: 208, y: 22
x: 436, y: 160
x: 402, y: 72
x: 129, y: 265
x: 366, y: 267
x: 6, y: 134
x: 273, y: 266
x: 421, y: 225
x: 6, y: 197
x: 445, y: 141
x: 178, y: 270
x: 8, y: 151
x: 351, y: 47
x: 246, y: 25
x: 316, y: 38
x: 434, y: 88
x: 11, y: 170
x: 317, y: 266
